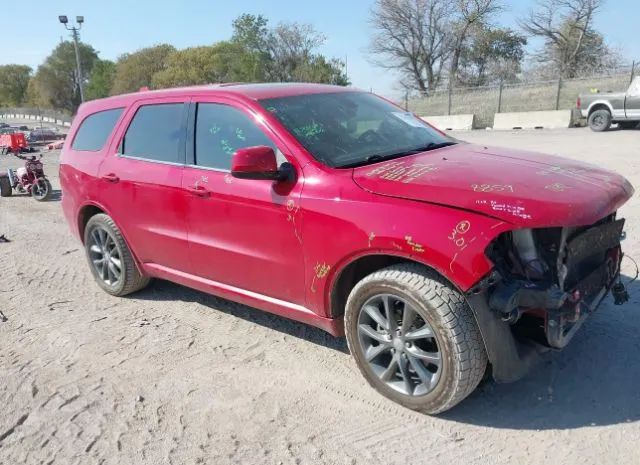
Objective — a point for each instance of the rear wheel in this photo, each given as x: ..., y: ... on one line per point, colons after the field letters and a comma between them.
x: 5, y: 186
x: 41, y: 189
x: 110, y: 259
x: 414, y: 338
x: 600, y: 120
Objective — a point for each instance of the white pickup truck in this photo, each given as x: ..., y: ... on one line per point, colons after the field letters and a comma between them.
x: 604, y: 109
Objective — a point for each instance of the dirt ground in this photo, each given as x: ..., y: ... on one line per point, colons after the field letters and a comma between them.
x: 174, y: 376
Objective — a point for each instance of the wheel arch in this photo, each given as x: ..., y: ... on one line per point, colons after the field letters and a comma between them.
x: 84, y: 215
x: 600, y: 105
x: 354, y: 270
x: 89, y: 210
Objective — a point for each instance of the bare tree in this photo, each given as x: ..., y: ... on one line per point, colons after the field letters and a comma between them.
x: 469, y: 14
x: 288, y: 45
x: 567, y: 28
x: 411, y: 36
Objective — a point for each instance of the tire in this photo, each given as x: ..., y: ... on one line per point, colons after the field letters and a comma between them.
x: 628, y: 124
x: 462, y: 356
x: 600, y: 120
x: 44, y: 192
x: 5, y: 186
x: 130, y: 279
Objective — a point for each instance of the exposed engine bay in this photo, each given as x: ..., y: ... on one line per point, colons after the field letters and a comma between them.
x: 547, y: 281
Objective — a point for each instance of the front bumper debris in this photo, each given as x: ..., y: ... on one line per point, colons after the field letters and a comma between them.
x: 519, y: 317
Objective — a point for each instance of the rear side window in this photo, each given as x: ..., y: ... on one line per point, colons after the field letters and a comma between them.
x: 220, y: 131
x: 94, y: 130
x: 155, y: 133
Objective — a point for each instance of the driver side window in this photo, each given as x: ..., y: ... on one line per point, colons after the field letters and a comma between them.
x: 220, y: 131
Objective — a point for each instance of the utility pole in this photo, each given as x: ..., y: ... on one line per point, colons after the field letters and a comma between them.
x: 75, y: 33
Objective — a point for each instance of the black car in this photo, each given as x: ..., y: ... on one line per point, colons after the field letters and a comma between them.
x: 42, y: 135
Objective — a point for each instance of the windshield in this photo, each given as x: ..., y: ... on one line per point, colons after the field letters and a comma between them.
x: 347, y: 129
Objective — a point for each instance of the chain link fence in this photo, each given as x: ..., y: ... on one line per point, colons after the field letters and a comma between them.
x: 485, y: 102
x: 38, y: 115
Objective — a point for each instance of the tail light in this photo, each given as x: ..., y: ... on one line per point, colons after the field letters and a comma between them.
x: 578, y: 103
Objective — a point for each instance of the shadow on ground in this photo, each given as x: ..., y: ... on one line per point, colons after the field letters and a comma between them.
x: 165, y: 290
x: 594, y: 381
x: 56, y: 195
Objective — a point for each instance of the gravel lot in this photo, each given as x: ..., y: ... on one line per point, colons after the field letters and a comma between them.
x: 174, y: 376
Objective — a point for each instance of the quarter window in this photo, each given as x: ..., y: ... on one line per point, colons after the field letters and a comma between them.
x: 94, y: 130
x: 220, y: 131
x: 155, y: 133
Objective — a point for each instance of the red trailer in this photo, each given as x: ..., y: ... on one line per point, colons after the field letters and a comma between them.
x: 15, y: 143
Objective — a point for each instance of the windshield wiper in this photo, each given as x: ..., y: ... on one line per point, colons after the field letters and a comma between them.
x: 376, y: 158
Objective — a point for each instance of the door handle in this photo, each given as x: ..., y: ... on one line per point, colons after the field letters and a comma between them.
x: 199, y: 191
x: 111, y: 177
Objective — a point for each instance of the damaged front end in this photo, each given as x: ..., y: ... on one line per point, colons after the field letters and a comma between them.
x: 545, y: 283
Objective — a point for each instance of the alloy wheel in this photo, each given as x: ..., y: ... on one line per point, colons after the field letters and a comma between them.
x: 399, y: 345
x: 104, y: 256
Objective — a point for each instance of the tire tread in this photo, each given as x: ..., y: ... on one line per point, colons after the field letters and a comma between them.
x: 456, y: 318
x: 133, y: 280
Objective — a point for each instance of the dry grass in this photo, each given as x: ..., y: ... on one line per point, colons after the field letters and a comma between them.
x: 483, y: 101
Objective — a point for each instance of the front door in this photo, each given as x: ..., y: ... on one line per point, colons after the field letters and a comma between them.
x: 632, y: 102
x: 242, y: 233
x: 141, y: 182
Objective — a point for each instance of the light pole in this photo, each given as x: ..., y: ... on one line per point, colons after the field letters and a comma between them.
x: 75, y: 33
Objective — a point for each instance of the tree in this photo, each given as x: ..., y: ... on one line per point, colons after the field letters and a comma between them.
x: 14, y: 80
x: 56, y: 81
x: 492, y: 55
x: 136, y: 70
x: 319, y: 69
x: 290, y: 46
x: 222, y: 62
x: 101, y: 80
x: 571, y: 45
x: 412, y: 36
x: 285, y: 53
x: 470, y: 15
x: 251, y: 32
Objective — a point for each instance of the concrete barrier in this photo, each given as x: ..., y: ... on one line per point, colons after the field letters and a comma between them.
x: 533, y: 120
x: 451, y: 122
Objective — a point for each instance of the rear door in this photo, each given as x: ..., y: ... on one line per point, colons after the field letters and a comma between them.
x: 81, y: 158
x: 141, y: 181
x: 632, y: 102
x: 243, y: 233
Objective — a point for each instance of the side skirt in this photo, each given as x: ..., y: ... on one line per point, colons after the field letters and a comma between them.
x: 333, y: 326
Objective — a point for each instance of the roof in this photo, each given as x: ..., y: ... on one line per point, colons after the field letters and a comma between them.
x: 251, y: 91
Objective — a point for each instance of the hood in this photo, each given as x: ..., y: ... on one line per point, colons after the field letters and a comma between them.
x: 523, y: 188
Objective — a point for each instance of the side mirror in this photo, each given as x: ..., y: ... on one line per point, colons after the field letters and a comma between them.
x: 258, y: 162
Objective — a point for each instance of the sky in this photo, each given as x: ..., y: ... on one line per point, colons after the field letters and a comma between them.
x: 114, y: 27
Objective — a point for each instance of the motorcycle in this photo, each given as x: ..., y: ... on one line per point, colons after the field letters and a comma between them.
x: 28, y: 179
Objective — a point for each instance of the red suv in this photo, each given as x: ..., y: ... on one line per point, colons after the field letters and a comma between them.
x: 336, y: 208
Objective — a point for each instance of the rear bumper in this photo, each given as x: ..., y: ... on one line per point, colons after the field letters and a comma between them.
x: 69, y: 210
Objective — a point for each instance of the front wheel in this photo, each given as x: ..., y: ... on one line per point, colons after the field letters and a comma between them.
x: 41, y: 189
x: 414, y: 338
